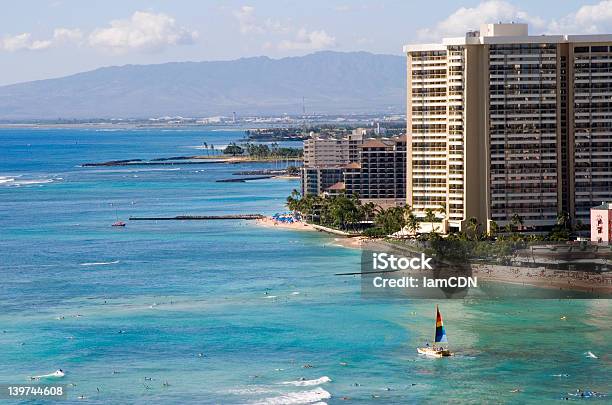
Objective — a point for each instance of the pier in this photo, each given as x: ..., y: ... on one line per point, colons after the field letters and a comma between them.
x: 199, y: 217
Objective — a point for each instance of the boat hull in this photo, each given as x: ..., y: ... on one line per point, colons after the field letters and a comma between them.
x: 436, y: 353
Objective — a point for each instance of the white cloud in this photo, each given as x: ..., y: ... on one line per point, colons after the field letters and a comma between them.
x: 469, y: 18
x: 25, y: 42
x: 22, y: 42
x: 38, y: 45
x: 249, y: 23
x: 305, y: 40
x: 67, y: 35
x: 590, y: 19
x: 144, y: 31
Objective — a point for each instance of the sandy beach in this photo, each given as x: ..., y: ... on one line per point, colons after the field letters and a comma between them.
x: 351, y: 243
x: 296, y: 226
x: 540, y: 277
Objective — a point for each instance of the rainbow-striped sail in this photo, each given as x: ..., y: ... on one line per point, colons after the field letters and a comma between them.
x: 440, y: 332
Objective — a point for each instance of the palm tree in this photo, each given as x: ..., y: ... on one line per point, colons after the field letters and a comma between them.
x: 442, y: 210
x: 368, y: 210
x: 412, y: 222
x: 493, y: 229
x: 429, y: 215
x: 517, y: 221
x: 563, y: 219
x: 474, y: 227
x: 293, y: 200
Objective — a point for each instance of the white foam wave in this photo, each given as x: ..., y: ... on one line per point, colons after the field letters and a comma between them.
x: 99, y: 263
x: 15, y: 181
x: 304, y: 397
x: 218, y: 148
x: 308, y: 383
x: 30, y: 182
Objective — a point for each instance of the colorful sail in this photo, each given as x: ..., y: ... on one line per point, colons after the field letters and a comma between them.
x: 440, y: 332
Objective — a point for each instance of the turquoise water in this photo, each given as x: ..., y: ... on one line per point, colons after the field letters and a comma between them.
x: 113, y: 306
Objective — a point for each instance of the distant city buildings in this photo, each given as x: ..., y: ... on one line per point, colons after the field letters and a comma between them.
x: 329, y: 151
x: 502, y: 123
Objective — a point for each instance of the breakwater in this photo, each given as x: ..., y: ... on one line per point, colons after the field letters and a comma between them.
x: 199, y: 217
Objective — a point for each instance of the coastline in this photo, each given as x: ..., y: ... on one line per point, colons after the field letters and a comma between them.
x: 269, y: 222
x: 575, y: 280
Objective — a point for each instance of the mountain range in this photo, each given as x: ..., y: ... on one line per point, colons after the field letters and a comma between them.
x: 323, y: 82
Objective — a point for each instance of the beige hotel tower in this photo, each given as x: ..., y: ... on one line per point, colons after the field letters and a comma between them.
x: 500, y: 122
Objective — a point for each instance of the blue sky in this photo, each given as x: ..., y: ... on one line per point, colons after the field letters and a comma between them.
x: 42, y: 39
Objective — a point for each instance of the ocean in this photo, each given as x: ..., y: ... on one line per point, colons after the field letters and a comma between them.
x: 229, y: 312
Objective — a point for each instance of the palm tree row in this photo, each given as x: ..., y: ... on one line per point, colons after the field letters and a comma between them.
x: 348, y: 212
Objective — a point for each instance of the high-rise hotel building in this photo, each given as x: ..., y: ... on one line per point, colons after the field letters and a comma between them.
x: 503, y: 123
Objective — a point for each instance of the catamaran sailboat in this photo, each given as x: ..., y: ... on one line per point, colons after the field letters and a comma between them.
x: 118, y: 223
x: 440, y: 337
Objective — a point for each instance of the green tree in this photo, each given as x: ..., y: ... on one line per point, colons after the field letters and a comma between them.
x: 442, y: 210
x: 368, y: 211
x: 493, y: 229
x: 293, y: 201
x: 412, y: 222
x: 293, y: 171
x: 429, y: 215
x: 563, y: 219
x: 517, y: 221
x: 391, y: 220
x: 474, y: 228
x: 233, y: 149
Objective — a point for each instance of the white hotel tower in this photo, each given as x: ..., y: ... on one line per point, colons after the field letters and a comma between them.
x: 500, y: 122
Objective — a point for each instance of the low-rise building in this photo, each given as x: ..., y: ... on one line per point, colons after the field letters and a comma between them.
x: 601, y: 223
x: 315, y: 180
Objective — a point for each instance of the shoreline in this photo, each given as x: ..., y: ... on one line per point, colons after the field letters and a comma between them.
x: 269, y: 222
x: 575, y: 280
